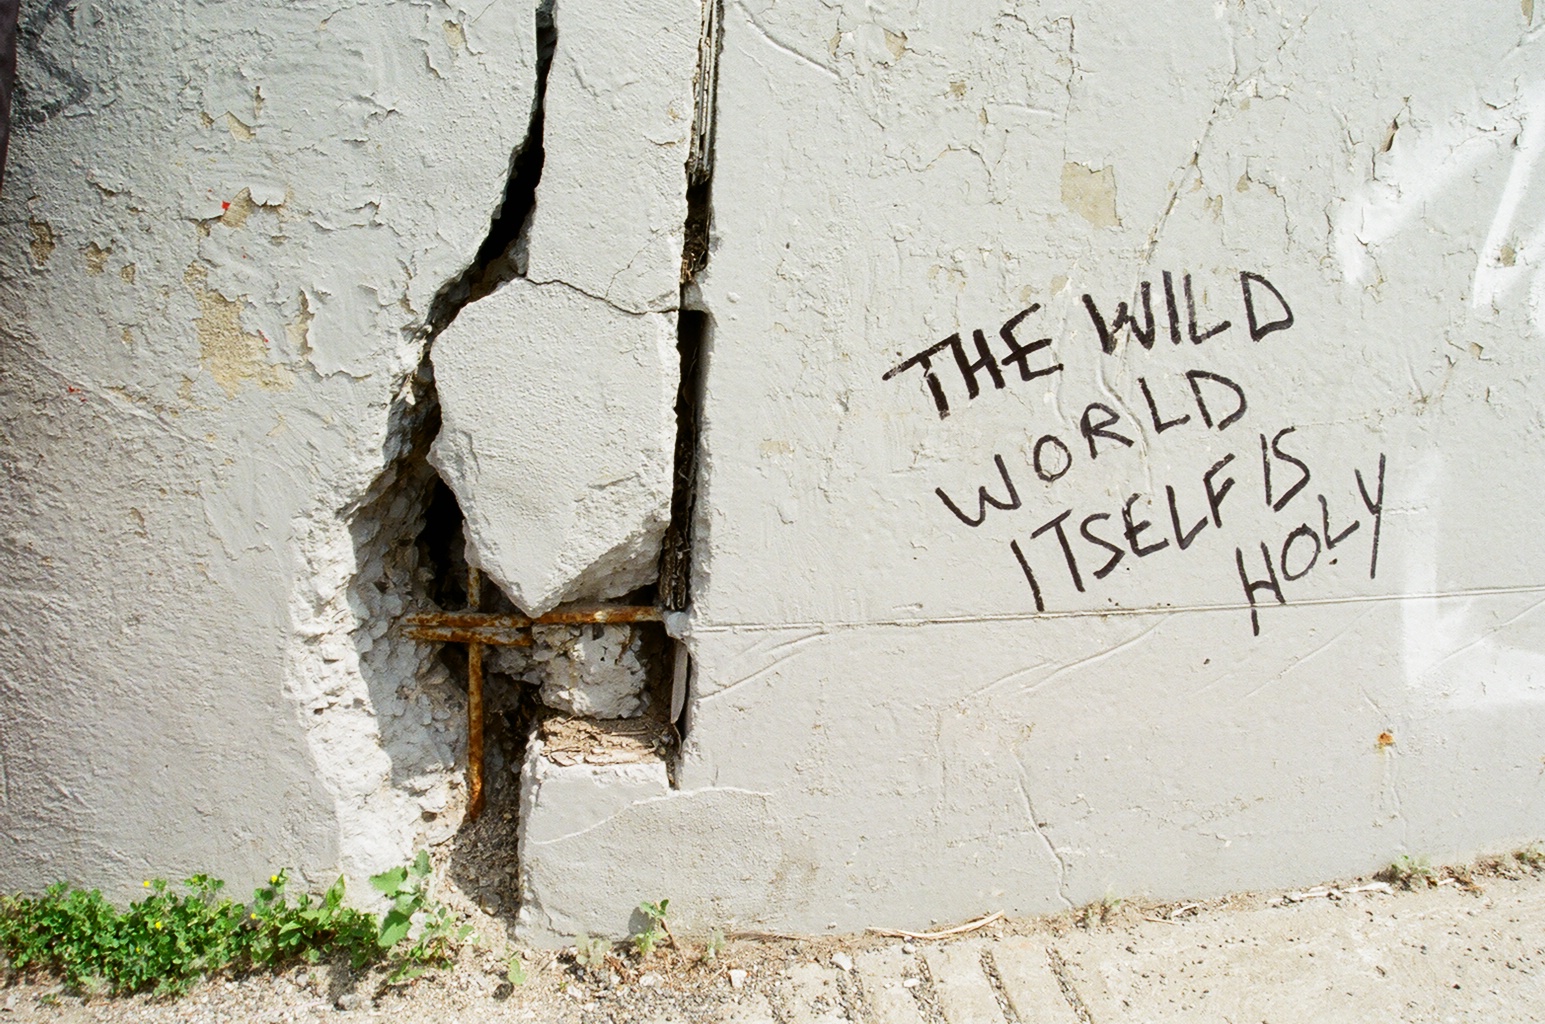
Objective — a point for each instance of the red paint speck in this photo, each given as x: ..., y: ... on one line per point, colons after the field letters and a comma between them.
x: 225, y: 206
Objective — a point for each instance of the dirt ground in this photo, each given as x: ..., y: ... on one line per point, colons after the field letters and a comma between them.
x: 1462, y: 944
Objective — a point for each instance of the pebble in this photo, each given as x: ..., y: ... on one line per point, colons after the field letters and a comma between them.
x: 910, y: 983
x: 737, y: 977
x: 348, y: 1001
x: 842, y: 961
x: 908, y: 948
x: 649, y: 980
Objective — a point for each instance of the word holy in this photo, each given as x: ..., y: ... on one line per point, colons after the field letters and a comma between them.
x: 1137, y: 320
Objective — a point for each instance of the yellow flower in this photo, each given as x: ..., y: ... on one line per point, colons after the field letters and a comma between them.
x: 253, y: 916
x: 272, y: 880
x: 158, y: 926
x: 147, y: 883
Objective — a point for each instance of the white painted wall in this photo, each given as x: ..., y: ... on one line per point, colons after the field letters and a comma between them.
x: 884, y: 730
x: 202, y: 402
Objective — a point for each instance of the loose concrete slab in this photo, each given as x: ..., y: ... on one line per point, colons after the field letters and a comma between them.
x: 812, y: 994
x: 1441, y: 954
x: 557, y: 436
x: 1029, y: 984
x: 612, y: 203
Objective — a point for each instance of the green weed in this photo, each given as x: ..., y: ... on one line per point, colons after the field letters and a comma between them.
x: 175, y: 935
x: 591, y: 953
x: 1408, y: 872
x: 644, y: 941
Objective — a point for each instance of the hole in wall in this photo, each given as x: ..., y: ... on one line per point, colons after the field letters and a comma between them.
x: 413, y: 526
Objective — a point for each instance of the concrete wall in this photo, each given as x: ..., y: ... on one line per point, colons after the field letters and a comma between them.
x: 1056, y: 608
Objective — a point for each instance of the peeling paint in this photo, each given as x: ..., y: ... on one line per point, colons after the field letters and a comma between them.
x: 232, y: 355
x: 95, y: 257
x: 1091, y: 193
x: 42, y: 241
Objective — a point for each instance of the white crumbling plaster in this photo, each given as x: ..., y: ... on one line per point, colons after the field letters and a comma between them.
x: 222, y: 234
x: 557, y: 434
x: 592, y: 671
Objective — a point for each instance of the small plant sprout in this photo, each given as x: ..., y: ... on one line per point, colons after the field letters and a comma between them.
x: 515, y: 972
x: 714, y: 944
x: 591, y: 953
x: 1409, y: 872
x: 654, y: 913
x: 408, y: 889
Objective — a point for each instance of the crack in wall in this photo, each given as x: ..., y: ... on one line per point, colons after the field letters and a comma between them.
x: 693, y: 325
x: 501, y: 256
x: 390, y: 713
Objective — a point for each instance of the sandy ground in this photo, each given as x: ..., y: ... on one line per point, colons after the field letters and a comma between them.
x: 1465, y: 945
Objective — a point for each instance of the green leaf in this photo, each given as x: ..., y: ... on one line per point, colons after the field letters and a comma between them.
x: 390, y: 882
x: 394, y: 928
x: 421, y: 863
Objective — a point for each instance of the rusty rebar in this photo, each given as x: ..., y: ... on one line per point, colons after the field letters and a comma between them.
x: 478, y: 629
x: 475, y: 703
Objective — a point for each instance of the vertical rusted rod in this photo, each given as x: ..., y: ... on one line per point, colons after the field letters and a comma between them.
x: 474, y: 703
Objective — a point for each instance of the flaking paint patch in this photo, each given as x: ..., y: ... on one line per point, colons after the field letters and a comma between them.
x: 240, y: 131
x: 128, y: 272
x: 1527, y: 6
x: 231, y: 355
x: 42, y: 241
x: 1091, y: 193
x: 298, y: 331
x: 95, y: 257
x: 238, y: 210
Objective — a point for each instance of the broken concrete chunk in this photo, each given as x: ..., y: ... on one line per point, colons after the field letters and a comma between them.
x: 596, y: 671
x: 612, y: 201
x: 560, y: 797
x: 557, y: 436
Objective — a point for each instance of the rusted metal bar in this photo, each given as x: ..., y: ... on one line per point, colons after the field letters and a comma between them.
x: 571, y: 615
x: 493, y: 636
x: 478, y: 629
x: 475, y: 703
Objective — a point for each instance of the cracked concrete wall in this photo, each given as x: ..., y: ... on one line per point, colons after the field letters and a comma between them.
x: 224, y: 228
x: 1053, y: 353
x: 995, y: 630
